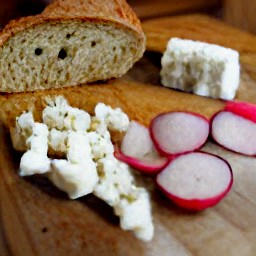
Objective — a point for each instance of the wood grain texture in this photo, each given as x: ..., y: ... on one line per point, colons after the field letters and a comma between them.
x: 45, y: 222
x: 240, y: 13
x: 152, y: 8
x: 4, y: 251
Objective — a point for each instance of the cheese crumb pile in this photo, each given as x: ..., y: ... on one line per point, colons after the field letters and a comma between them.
x: 88, y: 164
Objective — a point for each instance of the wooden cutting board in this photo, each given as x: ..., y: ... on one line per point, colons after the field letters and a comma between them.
x: 38, y: 219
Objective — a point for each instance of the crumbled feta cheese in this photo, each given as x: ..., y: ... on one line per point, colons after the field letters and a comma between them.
x: 201, y: 68
x: 58, y: 140
x: 77, y: 175
x: 100, y: 146
x: 76, y: 180
x: 114, y: 179
x: 23, y: 129
x: 77, y: 120
x: 38, y: 141
x: 135, y: 214
x: 115, y: 119
x: 58, y: 114
x: 90, y: 165
x: 116, y: 187
x: 26, y: 122
x: 100, y: 127
x: 79, y: 149
x: 55, y: 112
x: 35, y: 160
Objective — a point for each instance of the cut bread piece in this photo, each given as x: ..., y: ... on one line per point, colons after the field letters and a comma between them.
x: 70, y: 43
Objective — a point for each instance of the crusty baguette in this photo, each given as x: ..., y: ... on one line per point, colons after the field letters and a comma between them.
x: 71, y: 43
x: 137, y: 100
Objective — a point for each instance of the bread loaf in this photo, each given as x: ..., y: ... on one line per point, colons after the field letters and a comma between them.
x: 71, y: 43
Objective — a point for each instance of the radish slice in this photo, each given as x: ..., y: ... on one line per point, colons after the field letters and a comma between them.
x: 196, y: 180
x: 176, y: 133
x: 148, y: 165
x: 137, y: 150
x: 244, y: 109
x: 234, y: 132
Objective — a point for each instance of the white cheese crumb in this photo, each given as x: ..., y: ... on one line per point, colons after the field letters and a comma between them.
x: 132, y: 204
x: 35, y: 160
x: 58, y: 140
x: 115, y: 179
x: 58, y: 114
x: 77, y: 175
x: 54, y: 114
x: 201, y: 68
x: 100, y: 146
x: 135, y: 214
x: 34, y: 163
x: 77, y: 120
x: 22, y: 130
x: 115, y: 119
x: 38, y: 141
x: 76, y: 180
x: 79, y: 149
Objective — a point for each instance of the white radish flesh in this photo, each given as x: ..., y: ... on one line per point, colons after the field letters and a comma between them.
x: 196, y: 180
x: 137, y: 150
x: 137, y: 142
x: 179, y: 132
x: 234, y: 132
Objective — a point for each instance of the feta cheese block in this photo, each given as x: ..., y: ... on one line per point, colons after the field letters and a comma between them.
x: 202, y: 68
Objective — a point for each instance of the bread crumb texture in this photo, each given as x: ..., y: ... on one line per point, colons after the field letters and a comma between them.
x: 54, y: 50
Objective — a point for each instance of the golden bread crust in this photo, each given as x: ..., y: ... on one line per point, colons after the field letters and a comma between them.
x: 116, y: 11
x: 138, y: 100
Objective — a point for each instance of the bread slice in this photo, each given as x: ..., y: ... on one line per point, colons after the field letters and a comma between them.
x: 71, y: 43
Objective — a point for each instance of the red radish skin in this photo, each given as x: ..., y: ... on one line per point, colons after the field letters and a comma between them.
x: 148, y: 166
x: 243, y: 109
x: 137, y: 150
x: 175, y: 133
x: 234, y: 132
x: 188, y: 183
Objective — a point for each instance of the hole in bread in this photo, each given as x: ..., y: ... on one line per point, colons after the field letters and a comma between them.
x: 68, y: 36
x: 62, y: 54
x: 38, y: 51
x: 44, y: 230
x: 93, y: 43
x: 114, y: 48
